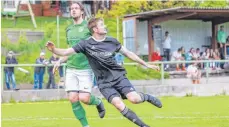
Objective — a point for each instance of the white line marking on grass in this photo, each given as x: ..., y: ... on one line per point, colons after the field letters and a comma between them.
x: 34, y: 103
x: 111, y: 118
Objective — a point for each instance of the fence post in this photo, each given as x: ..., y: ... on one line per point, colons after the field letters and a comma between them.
x: 207, y: 72
x: 162, y: 73
x: 2, y: 77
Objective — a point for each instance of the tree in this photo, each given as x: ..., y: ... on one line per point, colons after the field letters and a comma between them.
x: 221, y: 3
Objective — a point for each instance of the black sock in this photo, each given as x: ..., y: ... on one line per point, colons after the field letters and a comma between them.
x: 151, y: 99
x: 132, y: 117
x: 144, y: 97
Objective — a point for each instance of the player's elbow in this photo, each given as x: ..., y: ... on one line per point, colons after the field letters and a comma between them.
x: 65, y: 53
x: 132, y: 56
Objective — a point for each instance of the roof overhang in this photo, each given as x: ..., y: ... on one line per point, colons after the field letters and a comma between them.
x: 218, y: 15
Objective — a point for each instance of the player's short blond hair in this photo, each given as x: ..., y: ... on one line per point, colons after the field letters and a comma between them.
x: 93, y: 23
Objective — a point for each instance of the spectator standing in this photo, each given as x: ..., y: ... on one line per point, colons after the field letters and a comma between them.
x: 221, y: 39
x: 39, y: 71
x: 167, y: 47
x: 9, y: 71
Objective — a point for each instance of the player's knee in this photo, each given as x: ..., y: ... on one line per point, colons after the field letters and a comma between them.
x: 133, y: 100
x: 73, y: 99
x: 133, y: 97
x: 84, y: 99
x: 117, y: 102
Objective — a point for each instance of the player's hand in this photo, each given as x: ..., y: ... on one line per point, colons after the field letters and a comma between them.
x: 56, y: 67
x: 50, y: 46
x: 154, y: 67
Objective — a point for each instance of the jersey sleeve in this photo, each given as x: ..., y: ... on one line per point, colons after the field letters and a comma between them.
x: 79, y: 47
x: 118, y: 45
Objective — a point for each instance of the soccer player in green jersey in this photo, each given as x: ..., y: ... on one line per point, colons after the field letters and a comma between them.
x: 79, y: 76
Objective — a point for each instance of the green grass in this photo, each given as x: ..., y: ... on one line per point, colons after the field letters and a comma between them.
x: 176, y: 112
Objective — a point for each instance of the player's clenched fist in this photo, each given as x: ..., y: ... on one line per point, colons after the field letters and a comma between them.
x: 50, y: 46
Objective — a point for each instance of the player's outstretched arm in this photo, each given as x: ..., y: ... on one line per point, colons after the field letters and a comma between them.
x: 61, y: 52
x: 135, y: 58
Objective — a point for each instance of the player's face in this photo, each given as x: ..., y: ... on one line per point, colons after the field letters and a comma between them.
x: 101, y: 28
x: 76, y: 12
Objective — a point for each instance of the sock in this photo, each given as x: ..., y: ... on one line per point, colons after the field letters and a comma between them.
x: 132, y: 117
x: 144, y: 97
x: 151, y: 99
x: 80, y: 114
x: 94, y: 100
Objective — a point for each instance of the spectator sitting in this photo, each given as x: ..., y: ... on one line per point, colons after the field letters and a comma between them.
x: 156, y: 56
x: 198, y: 54
x: 176, y: 56
x: 194, y: 73
x: 188, y: 56
x: 119, y: 59
x: 183, y: 51
x: 227, y: 48
x: 211, y: 57
x: 205, y: 56
x: 9, y: 71
x: 216, y: 56
x: 39, y: 71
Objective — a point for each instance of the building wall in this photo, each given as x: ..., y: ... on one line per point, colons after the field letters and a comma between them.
x: 142, y: 38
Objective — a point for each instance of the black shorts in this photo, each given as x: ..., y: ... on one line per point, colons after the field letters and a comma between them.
x: 117, y: 88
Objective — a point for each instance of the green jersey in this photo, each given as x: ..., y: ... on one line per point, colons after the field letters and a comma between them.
x: 221, y: 37
x: 75, y: 33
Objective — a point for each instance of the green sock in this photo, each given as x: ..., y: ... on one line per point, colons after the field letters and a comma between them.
x: 79, y: 112
x: 94, y: 100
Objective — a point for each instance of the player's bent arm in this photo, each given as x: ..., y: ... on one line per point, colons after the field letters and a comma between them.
x: 63, y: 52
x: 132, y: 56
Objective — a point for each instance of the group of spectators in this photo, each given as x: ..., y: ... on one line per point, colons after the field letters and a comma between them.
x: 39, y: 71
x: 194, y: 54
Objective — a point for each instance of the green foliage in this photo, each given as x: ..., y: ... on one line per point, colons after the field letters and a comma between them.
x: 189, y: 95
x: 49, y: 28
x: 221, y: 3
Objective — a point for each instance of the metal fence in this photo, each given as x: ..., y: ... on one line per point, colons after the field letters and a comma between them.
x: 160, y: 63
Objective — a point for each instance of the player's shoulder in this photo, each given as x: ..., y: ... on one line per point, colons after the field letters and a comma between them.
x: 86, y: 41
x: 69, y: 27
x: 111, y: 39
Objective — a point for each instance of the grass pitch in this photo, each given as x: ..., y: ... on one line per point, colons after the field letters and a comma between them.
x: 176, y: 112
